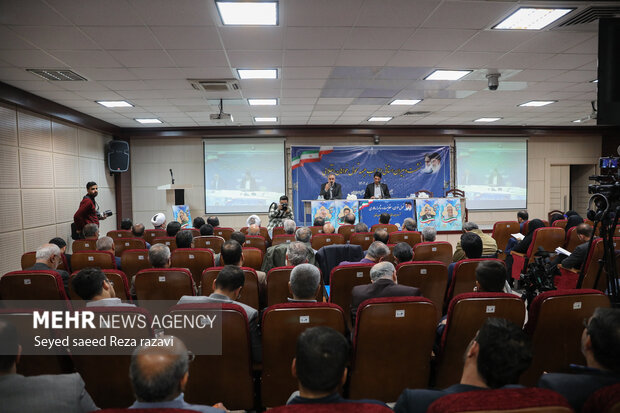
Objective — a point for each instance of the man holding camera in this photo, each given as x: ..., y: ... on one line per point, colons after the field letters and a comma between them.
x: 88, y: 212
x: 278, y: 213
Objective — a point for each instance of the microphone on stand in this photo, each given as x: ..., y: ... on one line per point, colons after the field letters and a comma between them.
x: 172, y: 176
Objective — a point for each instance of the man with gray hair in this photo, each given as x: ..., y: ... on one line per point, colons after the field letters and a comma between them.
x: 107, y: 244
x: 489, y: 245
x: 383, y: 283
x: 159, y: 375
x: 361, y: 227
x: 276, y: 254
x: 429, y: 234
x: 375, y: 253
x: 90, y: 231
x: 48, y: 257
x: 159, y: 256
x: 289, y: 226
x: 296, y: 253
x: 328, y: 228
x: 304, y: 283
x: 409, y: 224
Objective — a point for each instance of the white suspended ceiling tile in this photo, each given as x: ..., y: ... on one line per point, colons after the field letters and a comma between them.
x: 34, y: 85
x: 312, y: 13
x: 520, y: 60
x: 306, y: 72
x: 122, y: 37
x: 11, y: 41
x: 316, y: 37
x: 566, y: 61
x: 96, y: 13
x: 142, y: 58
x: 55, y: 38
x: 253, y: 37
x: 84, y: 58
x: 445, y: 39
x: 468, y: 14
x: 405, y: 58
x: 190, y: 37
x: 497, y: 40
x: 107, y: 74
x: 175, y: 13
x: 198, y: 58
x: 460, y: 60
x: 255, y: 59
x: 377, y: 38
x: 13, y: 73
x: 395, y: 13
x: 307, y: 58
x: 157, y: 73
x: 29, y: 12
x: 31, y: 59
x: 554, y: 41
x: 364, y: 57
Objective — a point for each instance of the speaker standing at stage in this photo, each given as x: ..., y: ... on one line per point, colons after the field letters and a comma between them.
x: 377, y: 190
x: 331, y: 189
x: 88, y: 212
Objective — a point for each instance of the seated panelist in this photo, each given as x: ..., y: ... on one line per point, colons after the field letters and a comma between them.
x: 331, y: 189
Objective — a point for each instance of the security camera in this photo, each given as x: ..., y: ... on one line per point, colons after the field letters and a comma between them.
x: 493, y: 80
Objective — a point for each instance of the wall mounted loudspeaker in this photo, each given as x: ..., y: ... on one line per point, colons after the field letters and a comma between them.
x: 118, y: 156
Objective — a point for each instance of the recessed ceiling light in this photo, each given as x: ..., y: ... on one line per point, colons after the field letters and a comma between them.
x: 594, y: 81
x: 578, y: 121
x: 257, y: 73
x: 263, y: 102
x: 380, y: 119
x: 408, y: 102
x: 147, y: 120
x: 538, y: 103
x: 487, y: 119
x: 263, y: 13
x: 447, y: 74
x: 114, y: 103
x: 527, y: 18
x: 267, y: 119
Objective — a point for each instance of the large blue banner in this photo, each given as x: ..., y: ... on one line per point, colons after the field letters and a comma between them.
x: 405, y: 169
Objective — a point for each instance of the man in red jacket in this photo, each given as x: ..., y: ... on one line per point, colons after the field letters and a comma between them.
x: 88, y: 212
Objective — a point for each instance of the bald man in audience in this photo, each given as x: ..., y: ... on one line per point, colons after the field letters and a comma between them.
x: 48, y: 257
x: 107, y: 244
x: 159, y: 375
x: 253, y: 229
x: 137, y: 230
x: 92, y: 285
x: 276, y: 255
x: 304, y: 283
x: 328, y: 228
x: 376, y: 252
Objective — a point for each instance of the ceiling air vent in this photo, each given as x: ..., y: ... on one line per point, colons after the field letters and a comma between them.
x: 58, y: 75
x: 416, y: 113
x: 218, y: 85
x: 591, y: 14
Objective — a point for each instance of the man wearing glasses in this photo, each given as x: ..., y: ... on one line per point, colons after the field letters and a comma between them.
x: 48, y: 258
x: 92, y: 285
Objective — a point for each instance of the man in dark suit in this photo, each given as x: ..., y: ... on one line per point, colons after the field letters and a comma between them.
x: 48, y: 258
x: 383, y: 283
x: 578, y: 257
x: 495, y: 358
x: 377, y: 190
x: 331, y: 189
x: 600, y: 342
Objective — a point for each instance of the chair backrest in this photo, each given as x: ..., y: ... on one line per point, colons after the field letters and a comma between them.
x: 510, y: 400
x: 253, y: 258
x: 591, y: 268
x: 526, y: 224
x: 466, y: 314
x: 119, y: 233
x: 171, y: 242
x: 342, y: 280
x: 227, y: 353
x: 117, y: 278
x: 555, y: 323
x: 249, y: 294
x: 133, y: 261
x: 604, y: 400
x: 24, y: 286
x: 163, y: 284
x: 282, y: 239
x: 255, y: 241
x: 348, y: 407
x: 277, y: 286
x: 316, y: 229
x: 223, y: 232
x: 122, y: 244
x: 280, y: 230
x: 80, y: 245
x: 549, y: 238
x: 213, y: 242
x: 30, y: 258
x: 430, y: 277
x: 318, y: 241
x: 560, y: 223
x: 554, y: 212
x: 454, y: 192
x: 433, y: 251
x: 404, y: 329
x: 101, y: 259
x: 346, y: 230
x: 388, y: 227
x: 281, y: 325
x: 363, y: 239
x: 572, y: 241
x: 196, y: 260
x: 264, y: 232
x: 501, y: 232
x: 424, y: 191
x: 464, y: 276
x: 151, y: 234
x: 195, y: 232
x: 410, y: 237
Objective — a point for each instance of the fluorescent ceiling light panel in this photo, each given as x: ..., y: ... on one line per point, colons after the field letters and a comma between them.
x: 407, y: 102
x: 447, y: 74
x: 594, y: 81
x: 578, y: 121
x: 487, y: 119
x: 527, y: 18
x: 267, y: 119
x: 262, y: 102
x: 115, y: 103
x: 257, y: 73
x: 380, y: 119
x: 538, y: 103
x: 145, y: 121
x: 246, y: 13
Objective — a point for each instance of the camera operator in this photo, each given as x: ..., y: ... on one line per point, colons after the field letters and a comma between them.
x: 278, y: 213
x: 88, y: 211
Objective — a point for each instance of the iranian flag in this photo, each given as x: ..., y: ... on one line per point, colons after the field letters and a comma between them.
x: 310, y: 156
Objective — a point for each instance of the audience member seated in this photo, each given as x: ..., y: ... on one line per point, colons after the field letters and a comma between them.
x: 159, y: 221
x: 232, y: 254
x: 172, y: 228
x: 409, y: 224
x: 522, y: 217
x: 429, y: 234
x: 318, y: 222
x: 376, y: 252
x: 58, y: 393
x: 90, y: 231
x: 579, y: 255
x: 555, y: 217
x: 107, y: 244
x: 92, y: 285
x: 382, y: 235
x: 235, y: 236
x: 289, y: 226
x: 600, y: 342
x: 254, y: 230
x: 185, y: 239
x: 349, y: 219
x: 402, y: 253
x: 213, y: 221
x: 159, y: 375
x: 48, y: 258
x: 470, y: 247
x: 495, y: 358
x: 384, y: 218
x: 523, y: 245
x: 320, y: 367
x: 296, y: 253
x: 159, y: 257
x: 383, y: 283
x: 137, y: 230
x: 328, y: 228
x: 198, y: 222
x: 276, y: 255
x: 227, y: 289
x: 361, y: 227
x: 126, y: 224
x: 572, y: 220
x: 62, y: 244
x: 304, y: 283
x: 206, y: 229
x: 489, y: 245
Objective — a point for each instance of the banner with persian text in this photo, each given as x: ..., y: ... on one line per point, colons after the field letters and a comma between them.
x: 405, y: 169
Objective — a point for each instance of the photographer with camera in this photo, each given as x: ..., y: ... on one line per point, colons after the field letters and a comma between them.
x: 88, y: 211
x: 278, y: 213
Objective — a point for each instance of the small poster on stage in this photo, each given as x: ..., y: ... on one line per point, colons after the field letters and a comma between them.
x: 326, y: 210
x: 451, y: 217
x: 426, y: 211
x: 181, y: 214
x: 344, y: 208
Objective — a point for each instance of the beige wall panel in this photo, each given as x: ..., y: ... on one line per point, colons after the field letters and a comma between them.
x: 12, y: 247
x: 36, y: 169
x: 64, y: 138
x: 149, y: 199
x: 67, y: 202
x: 90, y: 144
x: 64, y: 231
x: 88, y: 171
x: 66, y: 169
x: 8, y: 126
x: 9, y: 167
x: 536, y: 169
x: 10, y: 209
x: 34, y: 238
x: 38, y: 207
x: 34, y: 132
